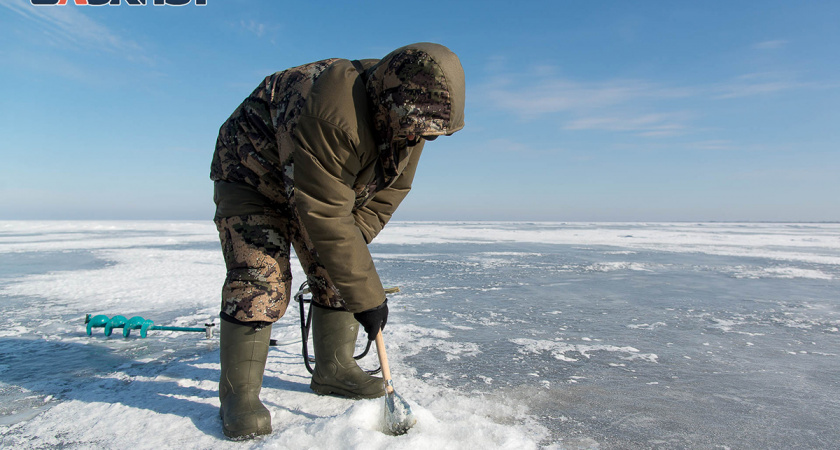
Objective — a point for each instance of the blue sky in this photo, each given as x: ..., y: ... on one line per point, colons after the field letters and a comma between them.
x: 576, y: 111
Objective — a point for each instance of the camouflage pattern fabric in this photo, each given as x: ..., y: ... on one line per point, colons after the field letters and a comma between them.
x: 254, y: 149
x: 256, y: 249
x: 254, y: 145
x: 412, y: 97
x: 257, y: 286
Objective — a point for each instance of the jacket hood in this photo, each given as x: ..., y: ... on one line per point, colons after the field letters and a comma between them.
x: 417, y: 89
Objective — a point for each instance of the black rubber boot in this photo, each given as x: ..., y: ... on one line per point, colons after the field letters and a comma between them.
x: 336, y: 372
x: 243, y: 352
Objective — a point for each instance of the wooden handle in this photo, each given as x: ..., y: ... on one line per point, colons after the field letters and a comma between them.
x: 383, y: 361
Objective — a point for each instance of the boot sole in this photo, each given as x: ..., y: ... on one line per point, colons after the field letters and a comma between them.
x: 243, y: 437
x: 322, y: 389
x: 239, y: 436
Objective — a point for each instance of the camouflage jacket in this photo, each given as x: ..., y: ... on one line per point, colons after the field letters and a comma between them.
x: 346, y: 136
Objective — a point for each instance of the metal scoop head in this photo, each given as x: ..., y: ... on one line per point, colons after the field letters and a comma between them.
x: 398, y: 416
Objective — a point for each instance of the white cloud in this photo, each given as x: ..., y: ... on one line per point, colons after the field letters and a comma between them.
x: 646, y: 125
x: 253, y: 27
x: 713, y: 144
x: 771, y: 45
x: 552, y: 95
x: 613, y: 105
x: 68, y: 26
x: 507, y: 145
x: 261, y: 30
x: 759, y: 84
x: 646, y: 108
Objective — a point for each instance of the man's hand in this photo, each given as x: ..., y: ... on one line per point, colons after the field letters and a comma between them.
x: 373, y: 319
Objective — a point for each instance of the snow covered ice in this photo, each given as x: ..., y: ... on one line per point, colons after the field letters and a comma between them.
x: 505, y: 335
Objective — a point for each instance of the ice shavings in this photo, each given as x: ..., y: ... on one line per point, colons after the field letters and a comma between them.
x: 646, y: 326
x: 14, y: 330
x: 760, y: 324
x: 458, y: 327
x: 570, y: 352
x: 614, y: 266
x: 412, y: 340
x: 780, y: 272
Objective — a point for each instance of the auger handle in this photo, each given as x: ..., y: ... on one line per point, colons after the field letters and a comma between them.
x: 383, y: 362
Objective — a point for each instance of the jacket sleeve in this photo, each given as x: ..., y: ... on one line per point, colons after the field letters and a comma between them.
x: 372, y: 217
x: 325, y: 168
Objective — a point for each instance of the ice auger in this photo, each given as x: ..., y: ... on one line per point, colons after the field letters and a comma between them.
x: 137, y: 323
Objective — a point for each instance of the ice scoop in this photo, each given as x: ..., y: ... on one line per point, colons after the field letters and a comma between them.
x: 398, y: 416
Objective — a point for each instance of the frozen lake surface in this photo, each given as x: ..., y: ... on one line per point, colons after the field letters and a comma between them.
x: 505, y: 335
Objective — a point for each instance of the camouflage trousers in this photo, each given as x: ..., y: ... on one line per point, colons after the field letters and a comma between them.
x: 257, y: 235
